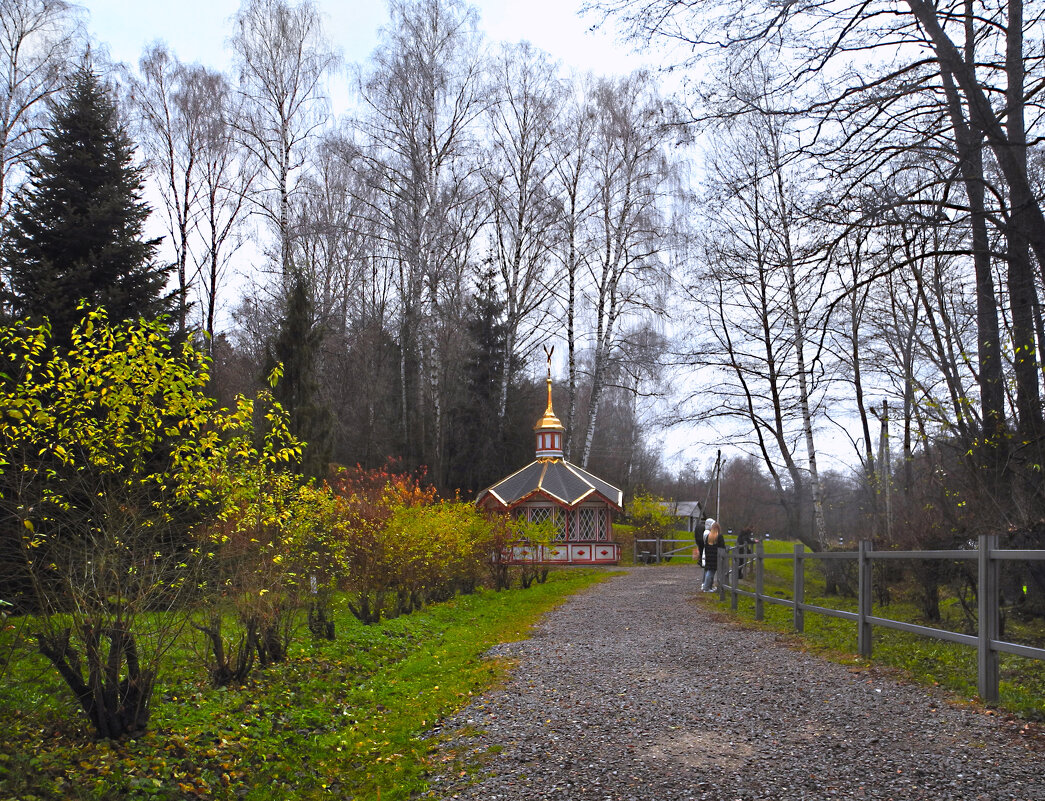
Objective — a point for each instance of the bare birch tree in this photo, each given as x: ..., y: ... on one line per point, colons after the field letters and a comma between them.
x: 283, y: 59
x: 762, y: 259
x: 574, y: 201
x: 522, y: 126
x: 876, y: 79
x: 341, y: 248
x: 170, y: 113
x: 423, y: 98
x: 336, y: 243
x: 37, y: 38
x: 227, y: 175
x: 629, y: 183
x: 185, y: 121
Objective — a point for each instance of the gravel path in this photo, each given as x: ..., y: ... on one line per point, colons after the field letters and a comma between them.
x: 632, y: 690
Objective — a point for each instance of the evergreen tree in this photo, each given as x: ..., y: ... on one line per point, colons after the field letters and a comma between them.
x: 77, y: 227
x: 296, y: 346
x: 485, y: 450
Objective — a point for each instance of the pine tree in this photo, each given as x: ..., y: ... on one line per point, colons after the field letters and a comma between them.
x: 296, y: 346
x: 78, y: 226
x: 477, y: 457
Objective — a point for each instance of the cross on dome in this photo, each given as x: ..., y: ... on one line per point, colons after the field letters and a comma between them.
x: 548, y: 429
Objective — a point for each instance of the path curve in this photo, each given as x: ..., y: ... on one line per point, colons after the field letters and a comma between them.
x: 631, y: 690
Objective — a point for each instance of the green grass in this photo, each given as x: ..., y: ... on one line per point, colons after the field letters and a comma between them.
x: 922, y: 659
x: 342, y: 718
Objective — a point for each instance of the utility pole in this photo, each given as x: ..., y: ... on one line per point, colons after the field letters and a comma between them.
x: 885, y: 466
x: 718, y: 479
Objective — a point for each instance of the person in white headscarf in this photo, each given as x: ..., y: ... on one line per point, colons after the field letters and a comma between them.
x: 711, y: 541
x: 701, y: 539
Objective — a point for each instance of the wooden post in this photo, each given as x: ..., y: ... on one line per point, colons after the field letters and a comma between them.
x: 733, y: 581
x: 728, y: 555
x: 800, y: 587
x: 759, y: 566
x: 987, y: 602
x: 863, y: 625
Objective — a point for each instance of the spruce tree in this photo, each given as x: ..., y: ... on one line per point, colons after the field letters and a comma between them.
x: 77, y: 229
x: 297, y: 347
x: 477, y: 457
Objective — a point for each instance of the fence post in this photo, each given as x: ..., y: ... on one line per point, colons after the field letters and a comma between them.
x: 759, y: 565
x: 660, y: 549
x: 987, y: 603
x: 728, y: 554
x: 734, y: 580
x: 863, y: 630
x: 800, y: 587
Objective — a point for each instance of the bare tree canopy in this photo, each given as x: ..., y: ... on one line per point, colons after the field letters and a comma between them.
x: 283, y: 58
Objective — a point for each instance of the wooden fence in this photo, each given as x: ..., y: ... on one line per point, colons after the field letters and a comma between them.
x: 987, y: 555
x: 655, y: 551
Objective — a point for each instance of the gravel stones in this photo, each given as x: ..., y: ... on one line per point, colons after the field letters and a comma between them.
x: 633, y: 690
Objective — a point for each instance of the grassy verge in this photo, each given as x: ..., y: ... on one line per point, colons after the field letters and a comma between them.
x: 342, y: 718
x: 922, y: 659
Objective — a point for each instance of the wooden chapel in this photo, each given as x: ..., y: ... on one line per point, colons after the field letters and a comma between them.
x: 580, y: 505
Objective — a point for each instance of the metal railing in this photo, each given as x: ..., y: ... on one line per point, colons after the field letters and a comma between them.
x: 987, y: 555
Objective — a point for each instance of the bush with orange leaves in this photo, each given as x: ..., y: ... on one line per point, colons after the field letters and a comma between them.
x: 367, y: 501
x: 401, y: 546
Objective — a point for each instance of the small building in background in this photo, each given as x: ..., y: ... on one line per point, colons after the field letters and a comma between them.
x: 689, y: 514
x: 580, y: 505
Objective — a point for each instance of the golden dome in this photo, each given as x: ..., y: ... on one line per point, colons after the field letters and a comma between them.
x: 549, y: 421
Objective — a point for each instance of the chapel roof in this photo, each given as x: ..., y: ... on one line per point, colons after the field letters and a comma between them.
x: 551, y: 475
x: 557, y: 478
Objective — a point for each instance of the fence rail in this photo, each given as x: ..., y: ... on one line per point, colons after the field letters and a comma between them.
x: 648, y: 551
x: 987, y: 555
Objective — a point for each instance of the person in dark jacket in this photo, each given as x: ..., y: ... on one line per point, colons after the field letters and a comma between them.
x: 745, y: 547
x: 709, y: 555
x: 701, y: 537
